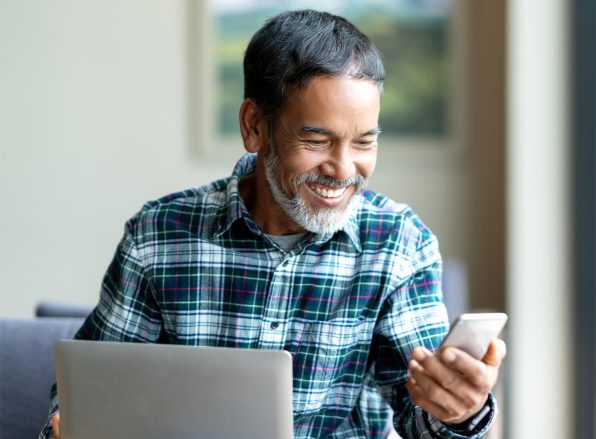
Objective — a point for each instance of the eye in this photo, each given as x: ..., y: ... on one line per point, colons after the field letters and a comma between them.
x: 366, y: 143
x: 316, y: 142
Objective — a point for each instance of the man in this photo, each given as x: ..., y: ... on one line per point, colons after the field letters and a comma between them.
x: 291, y: 252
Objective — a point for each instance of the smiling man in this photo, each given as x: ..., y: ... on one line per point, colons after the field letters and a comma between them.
x: 292, y: 252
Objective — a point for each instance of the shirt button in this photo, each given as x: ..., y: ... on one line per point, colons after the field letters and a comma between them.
x: 274, y: 325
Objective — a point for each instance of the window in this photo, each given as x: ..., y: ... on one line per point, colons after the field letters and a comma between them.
x: 412, y: 35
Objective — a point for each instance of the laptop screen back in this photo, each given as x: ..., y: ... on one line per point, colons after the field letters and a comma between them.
x: 129, y: 390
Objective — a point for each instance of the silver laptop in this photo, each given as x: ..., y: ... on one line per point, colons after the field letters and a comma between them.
x: 130, y: 390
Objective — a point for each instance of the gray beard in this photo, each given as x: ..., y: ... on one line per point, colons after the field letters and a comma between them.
x: 322, y: 220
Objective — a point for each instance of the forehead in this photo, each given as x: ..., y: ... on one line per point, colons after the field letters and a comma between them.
x: 334, y: 102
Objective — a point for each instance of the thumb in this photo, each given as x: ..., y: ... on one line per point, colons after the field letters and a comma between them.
x: 496, y: 352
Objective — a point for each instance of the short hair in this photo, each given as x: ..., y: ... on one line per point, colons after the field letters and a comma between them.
x: 295, y: 46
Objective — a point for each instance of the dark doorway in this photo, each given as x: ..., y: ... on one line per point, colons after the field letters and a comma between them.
x: 584, y: 125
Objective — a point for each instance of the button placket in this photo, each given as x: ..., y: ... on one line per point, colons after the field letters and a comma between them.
x: 275, y: 308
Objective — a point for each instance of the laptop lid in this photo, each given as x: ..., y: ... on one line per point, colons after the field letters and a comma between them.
x: 132, y: 390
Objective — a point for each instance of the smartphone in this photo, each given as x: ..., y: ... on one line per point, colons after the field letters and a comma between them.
x: 473, y: 332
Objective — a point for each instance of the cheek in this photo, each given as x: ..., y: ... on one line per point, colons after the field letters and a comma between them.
x: 286, y: 182
x: 291, y: 166
x: 286, y: 176
x: 366, y: 164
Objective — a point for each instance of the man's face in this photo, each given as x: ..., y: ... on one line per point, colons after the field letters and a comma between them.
x: 323, y: 149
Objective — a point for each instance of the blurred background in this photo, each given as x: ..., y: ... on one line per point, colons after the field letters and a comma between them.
x: 488, y: 133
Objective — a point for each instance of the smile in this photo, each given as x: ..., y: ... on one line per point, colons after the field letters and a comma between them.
x: 328, y: 193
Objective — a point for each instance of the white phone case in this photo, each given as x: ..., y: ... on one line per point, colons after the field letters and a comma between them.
x: 473, y: 332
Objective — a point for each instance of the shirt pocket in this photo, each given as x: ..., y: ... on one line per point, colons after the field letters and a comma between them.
x: 329, y: 362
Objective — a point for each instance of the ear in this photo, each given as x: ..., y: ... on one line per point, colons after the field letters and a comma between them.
x: 253, y: 126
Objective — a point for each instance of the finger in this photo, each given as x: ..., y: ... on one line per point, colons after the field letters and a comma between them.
x: 475, y: 371
x: 447, y: 377
x: 410, y: 377
x: 421, y: 400
x: 434, y: 392
x: 56, y: 426
x: 451, y: 380
x: 496, y: 352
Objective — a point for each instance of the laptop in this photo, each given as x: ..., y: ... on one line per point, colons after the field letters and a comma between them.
x: 151, y: 391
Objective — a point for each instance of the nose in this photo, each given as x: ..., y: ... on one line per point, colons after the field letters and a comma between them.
x: 339, y: 164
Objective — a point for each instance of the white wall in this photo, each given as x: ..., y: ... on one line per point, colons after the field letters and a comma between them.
x: 92, y: 114
x: 93, y: 99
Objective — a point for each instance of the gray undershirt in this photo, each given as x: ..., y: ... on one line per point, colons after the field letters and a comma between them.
x: 287, y: 242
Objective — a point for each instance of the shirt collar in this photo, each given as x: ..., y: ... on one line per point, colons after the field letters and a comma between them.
x: 237, y: 210
x: 234, y: 207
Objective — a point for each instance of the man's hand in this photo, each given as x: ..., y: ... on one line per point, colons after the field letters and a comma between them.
x: 55, y: 426
x: 451, y: 385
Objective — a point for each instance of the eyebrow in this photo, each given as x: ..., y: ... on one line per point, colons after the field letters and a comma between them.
x: 373, y: 132
x: 325, y: 132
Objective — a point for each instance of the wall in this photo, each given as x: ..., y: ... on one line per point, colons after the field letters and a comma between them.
x: 92, y: 110
x: 488, y: 154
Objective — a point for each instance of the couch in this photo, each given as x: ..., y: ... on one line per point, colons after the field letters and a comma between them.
x: 27, y: 372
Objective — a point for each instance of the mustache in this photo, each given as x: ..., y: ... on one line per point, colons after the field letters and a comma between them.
x: 325, y: 180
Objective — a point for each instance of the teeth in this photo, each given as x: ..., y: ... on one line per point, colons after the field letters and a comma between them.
x: 329, y: 193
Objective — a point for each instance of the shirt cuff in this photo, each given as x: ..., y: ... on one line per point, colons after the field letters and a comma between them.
x: 476, y: 427
x: 46, y: 432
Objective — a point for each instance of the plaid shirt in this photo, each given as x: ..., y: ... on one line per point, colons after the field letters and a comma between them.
x: 194, y: 268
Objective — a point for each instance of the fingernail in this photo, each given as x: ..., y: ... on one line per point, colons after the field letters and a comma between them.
x: 449, y: 355
x: 419, y: 354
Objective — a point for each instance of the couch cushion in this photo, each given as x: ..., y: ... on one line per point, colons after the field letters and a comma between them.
x: 51, y: 308
x: 27, y: 371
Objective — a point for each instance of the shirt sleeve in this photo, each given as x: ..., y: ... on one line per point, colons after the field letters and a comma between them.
x: 46, y: 432
x: 127, y: 310
x: 415, y: 315
x: 474, y: 427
